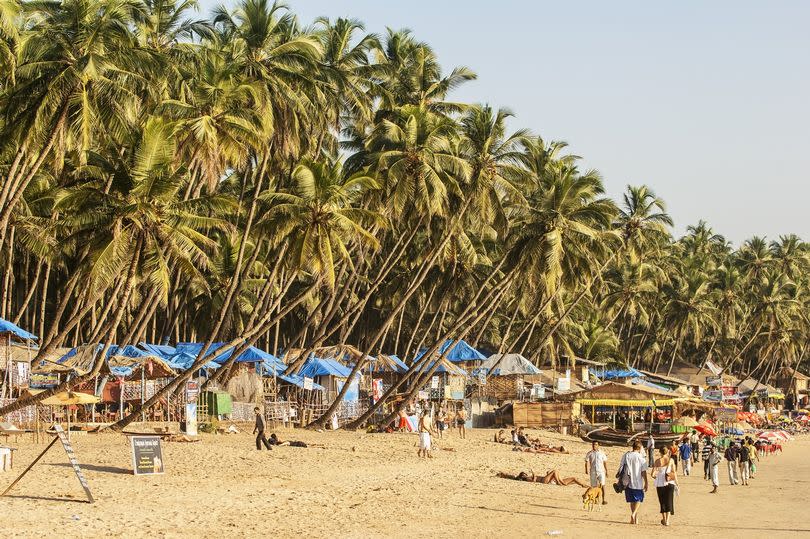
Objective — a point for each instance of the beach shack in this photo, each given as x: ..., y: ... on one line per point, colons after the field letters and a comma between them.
x: 631, y: 407
x: 508, y: 377
x: 17, y: 349
x: 460, y: 353
x: 794, y: 385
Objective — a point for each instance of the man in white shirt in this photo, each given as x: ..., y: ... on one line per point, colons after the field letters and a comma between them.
x: 596, y: 467
x: 634, y: 476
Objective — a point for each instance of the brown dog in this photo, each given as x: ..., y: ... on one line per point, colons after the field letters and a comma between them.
x: 592, y: 496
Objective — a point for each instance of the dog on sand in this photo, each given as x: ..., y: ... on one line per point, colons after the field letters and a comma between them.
x: 592, y: 496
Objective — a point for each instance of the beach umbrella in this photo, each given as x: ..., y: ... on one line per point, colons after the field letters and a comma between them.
x: 782, y: 435
x: 687, y: 421
x: 768, y: 435
x: 705, y: 428
x: 69, y: 398
x: 742, y: 425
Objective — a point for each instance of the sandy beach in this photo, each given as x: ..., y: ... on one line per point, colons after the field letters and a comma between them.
x: 370, y: 485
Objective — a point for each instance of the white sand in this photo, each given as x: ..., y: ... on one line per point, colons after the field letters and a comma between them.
x: 372, y: 485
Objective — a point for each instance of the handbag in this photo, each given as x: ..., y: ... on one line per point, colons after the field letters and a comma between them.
x: 620, y: 484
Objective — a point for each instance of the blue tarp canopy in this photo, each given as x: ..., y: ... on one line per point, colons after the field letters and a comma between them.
x: 183, y: 362
x: 251, y: 355
x: 125, y: 351
x: 613, y: 374
x: 161, y: 350
x: 298, y: 380
x: 460, y: 351
x: 14, y: 329
x: 317, y: 366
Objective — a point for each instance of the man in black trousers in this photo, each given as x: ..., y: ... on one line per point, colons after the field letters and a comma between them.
x: 259, y: 428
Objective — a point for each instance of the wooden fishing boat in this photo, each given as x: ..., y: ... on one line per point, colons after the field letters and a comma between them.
x: 610, y: 436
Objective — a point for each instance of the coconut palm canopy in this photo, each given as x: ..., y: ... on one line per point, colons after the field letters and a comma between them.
x: 252, y: 179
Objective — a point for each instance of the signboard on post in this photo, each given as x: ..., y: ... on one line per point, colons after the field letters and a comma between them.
x: 714, y: 381
x: 192, y: 391
x: 714, y: 395
x: 43, y: 381
x: 308, y: 383
x: 434, y: 382
x: 147, y: 456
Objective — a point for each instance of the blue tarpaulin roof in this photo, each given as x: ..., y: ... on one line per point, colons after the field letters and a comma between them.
x: 161, y: 350
x: 317, y: 366
x: 298, y: 380
x: 125, y: 351
x: 612, y: 374
x: 251, y: 355
x: 183, y: 362
x: 14, y: 329
x: 461, y: 351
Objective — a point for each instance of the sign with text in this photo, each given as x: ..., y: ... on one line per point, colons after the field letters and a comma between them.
x: 714, y: 381
x: 74, y: 463
x: 308, y: 383
x: 538, y: 391
x: 434, y: 382
x: 147, y: 456
x: 714, y: 395
x: 192, y: 391
x: 43, y: 381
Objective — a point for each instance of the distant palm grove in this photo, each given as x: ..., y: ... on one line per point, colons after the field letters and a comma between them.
x: 255, y: 179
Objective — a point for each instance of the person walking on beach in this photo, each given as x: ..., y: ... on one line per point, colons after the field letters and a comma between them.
x: 707, y: 450
x: 745, y: 463
x: 732, y: 455
x: 424, y: 436
x: 694, y: 441
x: 650, y: 450
x: 714, y: 466
x: 673, y: 454
x: 666, y: 481
x: 441, y: 421
x: 685, y: 451
x: 753, y: 456
x: 258, y: 430
x: 634, y: 466
x: 461, y: 419
x: 596, y: 468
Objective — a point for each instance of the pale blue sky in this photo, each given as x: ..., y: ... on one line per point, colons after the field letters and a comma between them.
x: 706, y: 102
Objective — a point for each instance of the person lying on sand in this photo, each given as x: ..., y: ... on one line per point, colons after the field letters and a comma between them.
x: 551, y: 478
x: 541, y: 449
x: 274, y: 440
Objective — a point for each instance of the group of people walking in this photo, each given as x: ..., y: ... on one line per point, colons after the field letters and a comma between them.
x: 742, y: 458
